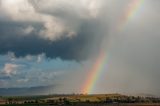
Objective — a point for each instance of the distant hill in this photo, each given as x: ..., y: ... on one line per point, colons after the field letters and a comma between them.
x: 146, y: 95
x: 38, y: 90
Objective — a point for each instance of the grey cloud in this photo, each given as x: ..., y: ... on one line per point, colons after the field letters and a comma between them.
x: 26, y: 36
x: 78, y: 47
x: 54, y: 26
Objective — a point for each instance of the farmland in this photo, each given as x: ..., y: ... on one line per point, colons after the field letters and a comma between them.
x: 80, y: 100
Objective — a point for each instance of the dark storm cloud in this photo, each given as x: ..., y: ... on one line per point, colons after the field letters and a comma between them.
x: 5, y: 78
x: 75, y: 48
x: 61, y: 29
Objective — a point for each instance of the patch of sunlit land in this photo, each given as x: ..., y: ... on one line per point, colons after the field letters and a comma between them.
x: 80, y: 100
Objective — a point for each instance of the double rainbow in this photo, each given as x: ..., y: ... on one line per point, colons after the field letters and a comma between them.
x: 102, y: 59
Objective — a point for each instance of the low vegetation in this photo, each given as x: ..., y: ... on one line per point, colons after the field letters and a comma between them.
x: 80, y: 100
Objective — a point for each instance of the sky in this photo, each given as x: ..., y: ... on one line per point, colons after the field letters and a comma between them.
x: 57, y: 42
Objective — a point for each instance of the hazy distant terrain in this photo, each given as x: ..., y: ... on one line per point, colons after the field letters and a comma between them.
x: 39, y: 90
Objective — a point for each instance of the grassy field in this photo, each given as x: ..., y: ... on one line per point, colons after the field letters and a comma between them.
x: 80, y: 100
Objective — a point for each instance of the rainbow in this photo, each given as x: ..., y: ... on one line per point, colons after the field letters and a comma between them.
x: 94, y: 73
x: 102, y: 59
x: 129, y: 14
